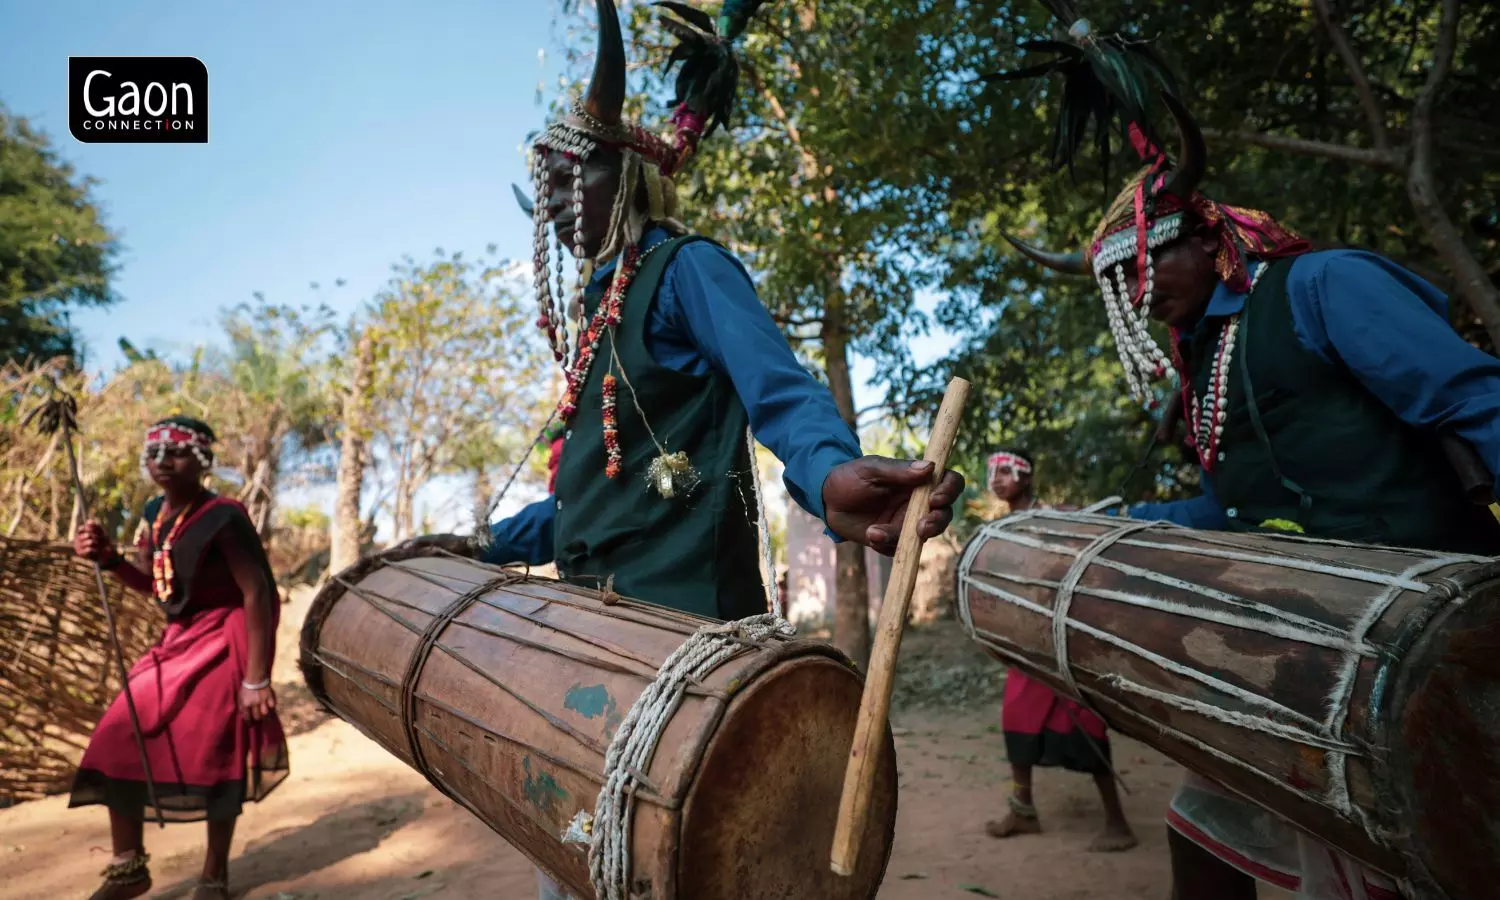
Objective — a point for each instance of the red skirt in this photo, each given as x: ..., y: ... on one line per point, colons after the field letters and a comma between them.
x: 1045, y: 729
x: 206, y: 758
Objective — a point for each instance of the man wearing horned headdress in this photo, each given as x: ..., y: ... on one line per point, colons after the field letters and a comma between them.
x: 670, y: 363
x: 1315, y: 386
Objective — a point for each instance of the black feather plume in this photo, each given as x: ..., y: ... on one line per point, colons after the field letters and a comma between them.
x: 59, y: 412
x: 709, y: 77
x: 695, y: 17
x: 1063, y: 10
x: 1107, y: 81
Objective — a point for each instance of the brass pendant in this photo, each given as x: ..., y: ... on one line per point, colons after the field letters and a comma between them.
x: 672, y: 475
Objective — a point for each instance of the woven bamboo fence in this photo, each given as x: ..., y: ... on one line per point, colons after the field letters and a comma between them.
x: 56, y: 675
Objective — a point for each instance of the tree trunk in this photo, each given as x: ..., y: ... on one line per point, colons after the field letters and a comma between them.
x: 1472, y: 282
x: 256, y: 494
x: 403, y: 515
x: 347, y: 529
x: 851, y: 594
x: 483, y: 490
x: 265, y: 517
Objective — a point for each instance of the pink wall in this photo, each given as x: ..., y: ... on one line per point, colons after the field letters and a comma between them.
x: 811, y: 572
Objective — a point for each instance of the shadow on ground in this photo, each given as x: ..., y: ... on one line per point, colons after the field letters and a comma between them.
x: 292, y: 852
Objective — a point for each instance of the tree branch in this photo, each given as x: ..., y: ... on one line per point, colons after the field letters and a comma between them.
x: 1385, y: 160
x: 1373, y: 113
x: 812, y: 171
x: 1472, y: 281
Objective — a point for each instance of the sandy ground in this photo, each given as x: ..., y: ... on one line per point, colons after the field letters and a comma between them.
x: 352, y: 822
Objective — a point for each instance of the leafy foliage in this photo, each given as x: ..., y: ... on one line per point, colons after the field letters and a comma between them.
x: 55, y: 251
x: 276, y: 359
x: 867, y: 166
x: 460, y: 374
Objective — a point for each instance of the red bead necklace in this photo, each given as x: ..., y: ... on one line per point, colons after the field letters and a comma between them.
x: 576, y: 375
x: 162, y: 572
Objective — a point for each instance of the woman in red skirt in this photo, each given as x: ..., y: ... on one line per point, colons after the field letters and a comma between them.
x: 203, y: 693
x: 1042, y: 728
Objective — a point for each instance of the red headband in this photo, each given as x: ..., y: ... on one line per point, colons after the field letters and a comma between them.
x: 176, y: 435
x: 1004, y: 458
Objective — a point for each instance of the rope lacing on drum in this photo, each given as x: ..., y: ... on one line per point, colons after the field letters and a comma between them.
x: 634, y: 742
x: 425, y: 644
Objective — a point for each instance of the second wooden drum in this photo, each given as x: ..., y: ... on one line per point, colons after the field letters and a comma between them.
x: 1353, y: 690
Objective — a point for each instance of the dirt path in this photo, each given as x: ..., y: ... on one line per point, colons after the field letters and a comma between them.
x: 352, y: 822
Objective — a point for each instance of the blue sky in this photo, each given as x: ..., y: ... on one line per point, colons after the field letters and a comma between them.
x: 342, y: 136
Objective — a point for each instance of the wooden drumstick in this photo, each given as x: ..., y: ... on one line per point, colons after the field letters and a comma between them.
x: 875, y: 707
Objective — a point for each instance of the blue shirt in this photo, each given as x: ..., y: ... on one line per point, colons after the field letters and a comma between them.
x: 1389, y: 329
x: 707, y: 318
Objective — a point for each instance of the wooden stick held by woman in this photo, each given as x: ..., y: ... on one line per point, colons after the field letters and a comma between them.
x: 59, y: 413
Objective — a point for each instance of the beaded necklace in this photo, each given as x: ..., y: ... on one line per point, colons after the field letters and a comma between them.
x: 162, y: 572
x: 1209, y: 413
x: 575, y: 375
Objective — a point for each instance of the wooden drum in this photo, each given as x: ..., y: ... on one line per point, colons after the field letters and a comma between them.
x: 508, y: 692
x: 1353, y: 690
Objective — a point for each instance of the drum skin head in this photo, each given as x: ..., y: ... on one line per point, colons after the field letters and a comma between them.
x: 759, y: 819
x: 1444, y: 768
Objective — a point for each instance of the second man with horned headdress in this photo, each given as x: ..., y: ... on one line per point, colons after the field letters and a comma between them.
x: 1319, y: 387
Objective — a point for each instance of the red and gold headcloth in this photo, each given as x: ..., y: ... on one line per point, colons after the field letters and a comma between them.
x: 1242, y: 231
x: 1143, y: 218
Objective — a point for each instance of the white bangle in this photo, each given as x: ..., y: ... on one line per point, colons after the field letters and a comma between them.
x: 259, y: 685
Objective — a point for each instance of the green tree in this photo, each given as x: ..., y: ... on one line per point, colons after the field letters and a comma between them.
x: 460, y: 378
x: 867, y: 164
x: 56, y: 253
x: 277, y: 359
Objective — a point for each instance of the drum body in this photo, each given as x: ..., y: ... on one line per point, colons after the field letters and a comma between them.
x: 1353, y: 690
x: 505, y: 690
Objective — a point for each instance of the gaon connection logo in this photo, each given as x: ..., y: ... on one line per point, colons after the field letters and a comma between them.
x: 138, y: 99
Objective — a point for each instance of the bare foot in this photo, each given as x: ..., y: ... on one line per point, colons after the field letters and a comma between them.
x: 1113, y: 839
x: 1012, y: 825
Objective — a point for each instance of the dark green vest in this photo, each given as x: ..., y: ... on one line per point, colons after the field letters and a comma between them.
x: 1327, y: 454
x: 697, y: 553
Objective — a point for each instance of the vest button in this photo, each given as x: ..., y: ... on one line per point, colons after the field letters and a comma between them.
x: 568, y: 435
x: 559, y: 504
x: 1231, y: 512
